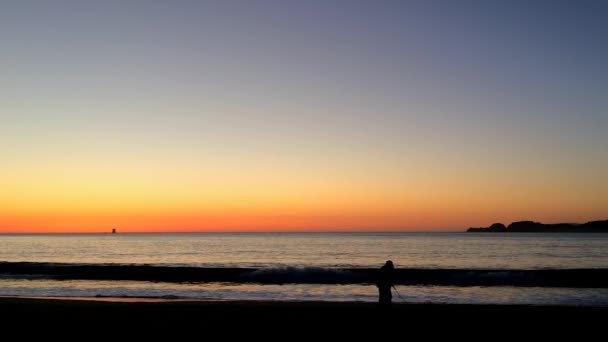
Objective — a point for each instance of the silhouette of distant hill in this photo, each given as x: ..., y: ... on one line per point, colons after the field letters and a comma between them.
x: 536, y: 227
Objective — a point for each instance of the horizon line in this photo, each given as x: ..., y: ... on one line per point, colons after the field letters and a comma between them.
x: 288, y: 230
x: 234, y: 231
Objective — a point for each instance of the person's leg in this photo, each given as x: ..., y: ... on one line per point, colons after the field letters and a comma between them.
x: 384, y: 295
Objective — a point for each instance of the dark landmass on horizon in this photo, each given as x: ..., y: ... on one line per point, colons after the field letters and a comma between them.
x: 537, y: 227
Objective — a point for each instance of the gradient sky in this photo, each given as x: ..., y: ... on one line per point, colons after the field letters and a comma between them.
x: 309, y: 115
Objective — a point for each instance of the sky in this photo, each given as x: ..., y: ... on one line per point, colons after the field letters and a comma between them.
x: 301, y: 115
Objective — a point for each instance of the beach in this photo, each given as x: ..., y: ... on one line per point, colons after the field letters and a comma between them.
x: 156, y: 315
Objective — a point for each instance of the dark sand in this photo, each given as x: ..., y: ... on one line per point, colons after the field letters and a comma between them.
x: 256, y: 318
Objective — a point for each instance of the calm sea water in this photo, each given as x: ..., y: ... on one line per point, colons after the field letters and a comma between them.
x: 427, y: 250
x: 418, y: 250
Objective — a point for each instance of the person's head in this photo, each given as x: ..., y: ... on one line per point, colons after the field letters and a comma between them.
x: 389, y: 263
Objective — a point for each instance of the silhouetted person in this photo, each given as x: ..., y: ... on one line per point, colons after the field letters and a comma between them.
x: 384, y: 283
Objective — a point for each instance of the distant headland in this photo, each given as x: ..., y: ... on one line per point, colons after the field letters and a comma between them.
x: 536, y: 227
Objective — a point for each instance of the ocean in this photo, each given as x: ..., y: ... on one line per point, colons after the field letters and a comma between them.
x: 475, y: 268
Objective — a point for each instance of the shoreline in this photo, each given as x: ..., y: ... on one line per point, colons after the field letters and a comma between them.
x: 33, y: 303
x: 253, y: 302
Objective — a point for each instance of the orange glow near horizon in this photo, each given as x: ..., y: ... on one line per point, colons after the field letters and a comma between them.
x: 140, y: 197
x: 311, y: 211
x: 150, y: 189
x: 90, y: 200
